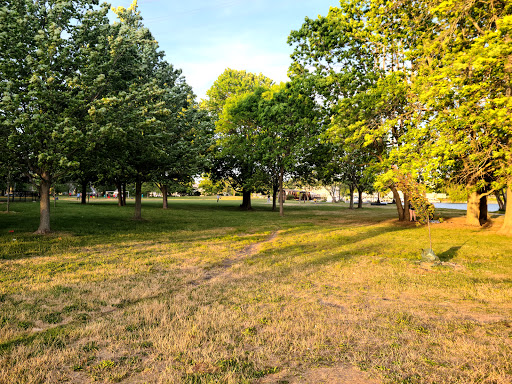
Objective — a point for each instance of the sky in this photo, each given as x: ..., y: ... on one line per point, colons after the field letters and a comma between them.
x: 204, y: 37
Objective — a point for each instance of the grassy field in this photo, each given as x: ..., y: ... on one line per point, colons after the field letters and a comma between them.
x: 204, y: 293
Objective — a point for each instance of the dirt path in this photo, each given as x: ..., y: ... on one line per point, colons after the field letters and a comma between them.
x: 224, y: 270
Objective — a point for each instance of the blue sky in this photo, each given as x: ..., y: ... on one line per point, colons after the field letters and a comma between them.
x: 204, y: 37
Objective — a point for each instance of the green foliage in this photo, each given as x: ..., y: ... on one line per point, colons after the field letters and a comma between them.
x: 210, y: 187
x: 233, y: 99
x: 232, y: 83
x: 417, y: 195
x: 83, y: 99
x: 457, y: 193
x: 423, y: 85
x: 336, y: 55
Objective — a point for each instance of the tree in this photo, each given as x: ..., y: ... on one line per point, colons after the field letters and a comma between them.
x: 230, y: 83
x: 289, y: 119
x: 424, y: 211
x: 41, y: 102
x: 233, y: 156
x: 238, y: 131
x: 148, y: 121
x: 340, y: 55
x: 209, y: 187
x: 189, y: 134
x: 463, y: 84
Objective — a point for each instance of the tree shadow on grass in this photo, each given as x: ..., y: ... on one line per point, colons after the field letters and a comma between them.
x: 312, y: 254
x: 450, y: 253
x: 186, y: 221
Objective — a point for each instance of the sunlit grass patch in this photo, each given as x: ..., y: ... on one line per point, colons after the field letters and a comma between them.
x: 205, y: 293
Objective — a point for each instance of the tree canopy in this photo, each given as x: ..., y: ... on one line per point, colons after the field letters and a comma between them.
x: 82, y: 96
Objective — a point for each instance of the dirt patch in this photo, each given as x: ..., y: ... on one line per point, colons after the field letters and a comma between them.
x: 334, y: 375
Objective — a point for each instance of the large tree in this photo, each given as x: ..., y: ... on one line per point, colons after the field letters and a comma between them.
x: 150, y: 127
x: 463, y: 85
x: 233, y: 157
x: 42, y: 57
x: 289, y: 117
x: 356, y: 74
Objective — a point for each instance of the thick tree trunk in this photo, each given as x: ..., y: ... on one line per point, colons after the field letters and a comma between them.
x: 281, y: 197
x: 44, y: 205
x: 484, y: 213
x: 275, y: 190
x: 473, y: 210
x: 246, y: 200
x: 84, y: 192
x: 400, y: 209
x: 351, y: 206
x: 119, y: 193
x: 163, y: 189
x: 506, y: 228
x: 360, y: 197
x: 138, y: 199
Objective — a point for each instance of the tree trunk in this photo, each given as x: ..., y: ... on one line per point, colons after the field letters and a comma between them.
x: 351, y: 206
x: 246, y: 200
x: 8, y: 193
x: 275, y: 190
x: 124, y: 194
x: 360, y: 197
x: 500, y: 200
x: 84, y: 192
x: 484, y: 213
x: 281, y: 197
x: 138, y: 199
x: 163, y: 189
x: 44, y: 205
x: 119, y: 194
x: 506, y: 228
x: 398, y: 202
x: 473, y: 210
x: 332, y: 192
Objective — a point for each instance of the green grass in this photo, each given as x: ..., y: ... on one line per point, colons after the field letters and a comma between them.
x: 205, y: 293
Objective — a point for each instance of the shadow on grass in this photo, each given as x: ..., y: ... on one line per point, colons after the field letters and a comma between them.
x: 326, y: 251
x: 103, y: 222
x: 449, y: 253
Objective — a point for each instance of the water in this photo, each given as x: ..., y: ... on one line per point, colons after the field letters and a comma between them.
x: 464, y: 206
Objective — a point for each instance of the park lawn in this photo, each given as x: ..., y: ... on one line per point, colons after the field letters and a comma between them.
x: 204, y: 293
